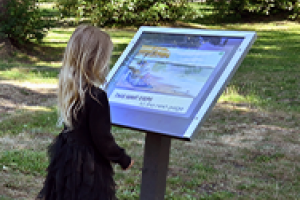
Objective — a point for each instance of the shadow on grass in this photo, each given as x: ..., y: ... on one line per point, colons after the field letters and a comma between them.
x: 43, y: 52
x: 26, y: 62
x: 21, y: 64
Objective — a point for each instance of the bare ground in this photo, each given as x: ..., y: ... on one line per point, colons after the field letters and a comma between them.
x: 16, y: 96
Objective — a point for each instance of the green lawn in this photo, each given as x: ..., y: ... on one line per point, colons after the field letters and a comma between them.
x: 247, y: 149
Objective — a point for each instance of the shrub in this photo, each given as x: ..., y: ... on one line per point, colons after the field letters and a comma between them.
x: 126, y: 12
x: 260, y: 7
x: 21, y: 20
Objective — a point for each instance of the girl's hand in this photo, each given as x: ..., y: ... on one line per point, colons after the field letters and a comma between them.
x: 132, y: 162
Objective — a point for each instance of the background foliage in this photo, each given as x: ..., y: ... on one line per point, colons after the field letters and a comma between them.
x: 21, y: 20
x: 256, y: 7
x: 127, y: 12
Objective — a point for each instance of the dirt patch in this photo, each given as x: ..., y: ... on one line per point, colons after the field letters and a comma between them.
x: 249, y: 128
x: 17, y: 185
x: 33, y: 141
x: 27, y: 96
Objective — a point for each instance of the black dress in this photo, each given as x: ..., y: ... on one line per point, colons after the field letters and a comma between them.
x: 80, y: 159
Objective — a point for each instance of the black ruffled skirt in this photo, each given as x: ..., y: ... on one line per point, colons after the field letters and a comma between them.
x: 74, y: 173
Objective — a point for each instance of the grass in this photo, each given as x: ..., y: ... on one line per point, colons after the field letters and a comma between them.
x: 38, y: 122
x: 4, y: 198
x: 26, y: 161
x: 247, y: 149
x: 268, y: 76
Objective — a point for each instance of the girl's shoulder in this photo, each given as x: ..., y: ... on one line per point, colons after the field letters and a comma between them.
x: 96, y: 91
x: 97, y: 95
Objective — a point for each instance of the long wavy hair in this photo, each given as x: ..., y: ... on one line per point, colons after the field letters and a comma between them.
x: 85, y: 64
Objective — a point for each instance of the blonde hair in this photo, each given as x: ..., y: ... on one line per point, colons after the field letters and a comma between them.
x: 85, y: 63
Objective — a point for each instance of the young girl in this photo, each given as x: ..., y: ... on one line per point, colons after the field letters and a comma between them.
x: 81, y: 155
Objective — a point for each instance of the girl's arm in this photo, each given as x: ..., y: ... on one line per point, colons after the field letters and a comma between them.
x: 100, y: 127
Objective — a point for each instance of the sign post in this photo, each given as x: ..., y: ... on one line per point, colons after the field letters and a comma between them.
x: 156, y: 161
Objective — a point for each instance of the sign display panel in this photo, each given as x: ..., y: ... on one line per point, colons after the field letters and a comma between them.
x: 165, y: 75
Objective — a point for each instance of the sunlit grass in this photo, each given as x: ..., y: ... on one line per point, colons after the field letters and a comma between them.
x: 122, y: 41
x: 58, y: 36
x: 34, y: 76
x: 55, y: 64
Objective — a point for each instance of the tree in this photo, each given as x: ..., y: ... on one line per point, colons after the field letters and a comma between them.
x: 20, y: 21
x: 256, y: 7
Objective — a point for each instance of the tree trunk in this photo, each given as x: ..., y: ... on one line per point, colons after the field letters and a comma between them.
x: 3, y: 10
x: 6, y: 47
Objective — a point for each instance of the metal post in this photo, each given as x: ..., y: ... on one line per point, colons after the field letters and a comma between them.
x: 155, y: 167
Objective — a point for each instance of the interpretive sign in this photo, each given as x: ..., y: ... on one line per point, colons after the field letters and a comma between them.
x: 168, y: 79
x: 166, y: 82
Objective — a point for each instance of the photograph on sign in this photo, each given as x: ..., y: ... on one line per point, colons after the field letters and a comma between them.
x: 163, y: 77
x: 168, y: 78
